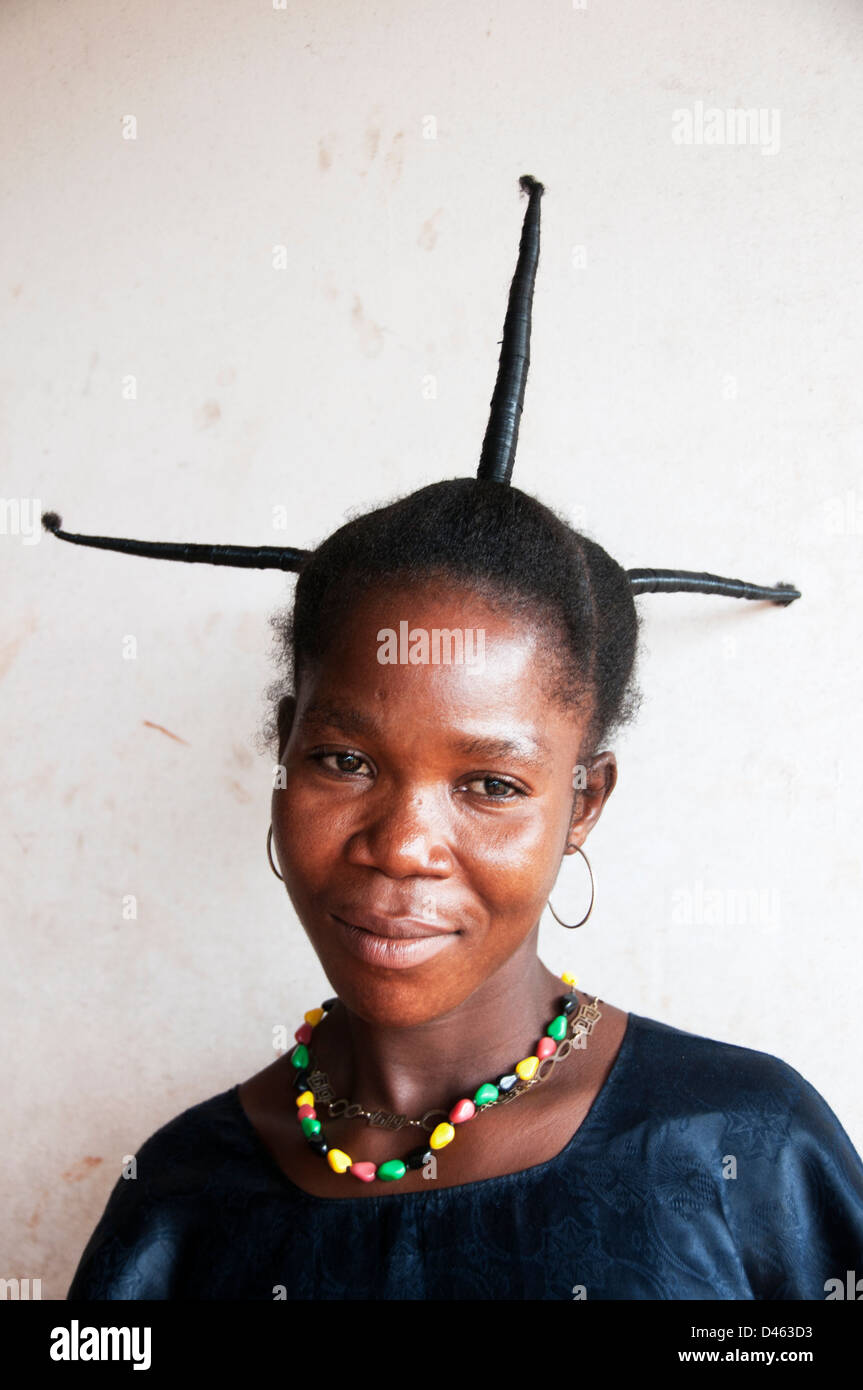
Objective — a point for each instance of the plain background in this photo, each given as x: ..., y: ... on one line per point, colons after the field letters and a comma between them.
x: 693, y: 402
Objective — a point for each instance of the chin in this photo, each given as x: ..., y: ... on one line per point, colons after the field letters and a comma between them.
x: 402, y: 998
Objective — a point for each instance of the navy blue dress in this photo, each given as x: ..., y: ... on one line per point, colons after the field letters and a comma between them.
x: 702, y: 1171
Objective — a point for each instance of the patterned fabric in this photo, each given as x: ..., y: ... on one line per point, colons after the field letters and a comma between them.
x: 642, y: 1203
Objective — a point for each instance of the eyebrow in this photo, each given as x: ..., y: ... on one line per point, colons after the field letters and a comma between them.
x: 350, y: 721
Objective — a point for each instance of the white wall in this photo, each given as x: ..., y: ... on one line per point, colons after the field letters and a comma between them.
x: 693, y: 401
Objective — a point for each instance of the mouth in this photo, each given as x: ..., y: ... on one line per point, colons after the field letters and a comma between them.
x: 396, y: 942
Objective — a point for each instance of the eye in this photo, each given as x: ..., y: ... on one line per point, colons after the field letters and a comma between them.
x: 348, y: 763
x: 495, y: 788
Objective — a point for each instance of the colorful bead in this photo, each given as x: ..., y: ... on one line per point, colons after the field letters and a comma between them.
x: 392, y: 1170
x: 418, y: 1158
x: 461, y: 1111
x: 395, y: 1168
x: 442, y: 1134
x: 364, y: 1171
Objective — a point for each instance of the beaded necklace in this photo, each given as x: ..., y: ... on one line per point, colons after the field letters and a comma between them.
x: 568, y: 1029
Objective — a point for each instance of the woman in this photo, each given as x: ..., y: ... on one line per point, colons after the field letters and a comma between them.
x: 455, y: 1121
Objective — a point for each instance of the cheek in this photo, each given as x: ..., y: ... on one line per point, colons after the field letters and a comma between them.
x: 310, y: 836
x: 514, y: 872
x: 517, y: 842
x: 505, y: 864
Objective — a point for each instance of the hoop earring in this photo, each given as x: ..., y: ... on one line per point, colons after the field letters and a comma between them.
x: 573, y: 925
x: 270, y: 853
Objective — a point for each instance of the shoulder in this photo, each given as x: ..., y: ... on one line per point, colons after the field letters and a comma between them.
x: 680, y: 1066
x: 729, y: 1157
x: 195, y: 1172
x: 745, y: 1099
x: 177, y: 1154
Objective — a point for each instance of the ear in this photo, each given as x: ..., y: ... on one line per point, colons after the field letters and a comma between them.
x: 285, y: 720
x: 596, y: 781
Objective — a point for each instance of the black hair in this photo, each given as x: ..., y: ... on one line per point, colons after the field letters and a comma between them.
x: 480, y: 530
x: 507, y: 547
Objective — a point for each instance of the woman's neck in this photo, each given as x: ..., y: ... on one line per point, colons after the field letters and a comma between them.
x: 409, y: 1070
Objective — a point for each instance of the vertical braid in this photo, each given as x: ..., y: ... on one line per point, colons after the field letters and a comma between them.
x: 501, y: 436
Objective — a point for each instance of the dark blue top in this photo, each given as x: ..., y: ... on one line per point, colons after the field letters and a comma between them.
x: 640, y: 1204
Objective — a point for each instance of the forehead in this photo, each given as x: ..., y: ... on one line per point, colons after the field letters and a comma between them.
x: 437, y: 630
x: 439, y: 659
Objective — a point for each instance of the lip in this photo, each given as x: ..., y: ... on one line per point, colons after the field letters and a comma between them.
x: 395, y: 942
x: 395, y: 928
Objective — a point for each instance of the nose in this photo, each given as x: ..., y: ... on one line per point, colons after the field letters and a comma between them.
x: 402, y: 835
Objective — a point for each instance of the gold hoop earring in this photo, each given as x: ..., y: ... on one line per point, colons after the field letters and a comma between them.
x: 270, y: 853
x: 573, y: 925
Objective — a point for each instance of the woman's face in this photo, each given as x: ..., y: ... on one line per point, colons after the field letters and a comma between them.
x: 427, y: 804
